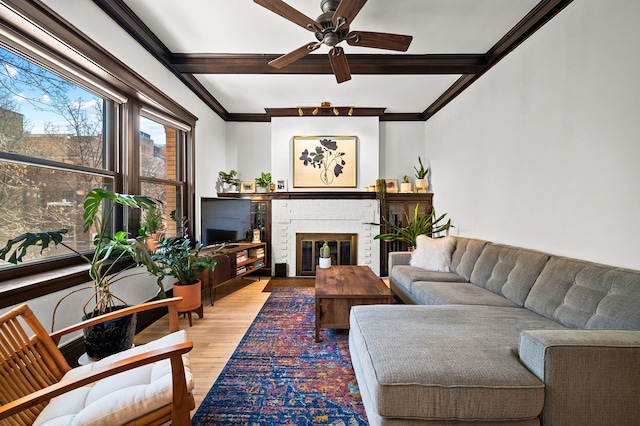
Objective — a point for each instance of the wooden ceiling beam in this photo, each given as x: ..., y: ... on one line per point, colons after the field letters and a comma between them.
x: 319, y: 64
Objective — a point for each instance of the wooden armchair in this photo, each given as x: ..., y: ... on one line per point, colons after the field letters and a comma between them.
x: 38, y: 385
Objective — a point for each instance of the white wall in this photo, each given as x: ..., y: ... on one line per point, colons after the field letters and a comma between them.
x: 543, y: 151
x: 248, y: 149
x: 401, y: 143
x: 283, y: 129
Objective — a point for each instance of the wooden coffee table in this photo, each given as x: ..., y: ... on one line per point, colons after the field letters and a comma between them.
x: 338, y: 288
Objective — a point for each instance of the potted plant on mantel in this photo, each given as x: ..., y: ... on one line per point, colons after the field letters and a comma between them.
x: 426, y: 224
x: 111, y: 261
x: 421, y: 183
x: 229, y: 180
x: 263, y: 182
x: 176, y: 257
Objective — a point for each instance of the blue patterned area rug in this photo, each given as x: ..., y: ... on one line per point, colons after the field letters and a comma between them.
x: 278, y: 375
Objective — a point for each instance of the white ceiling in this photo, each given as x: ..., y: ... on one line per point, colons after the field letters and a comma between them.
x: 242, y: 26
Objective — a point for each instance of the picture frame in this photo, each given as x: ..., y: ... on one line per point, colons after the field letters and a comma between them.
x: 282, y: 184
x: 392, y: 186
x: 248, y: 186
x: 324, y: 161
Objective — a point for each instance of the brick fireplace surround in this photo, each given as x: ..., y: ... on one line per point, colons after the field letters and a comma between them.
x: 337, y: 215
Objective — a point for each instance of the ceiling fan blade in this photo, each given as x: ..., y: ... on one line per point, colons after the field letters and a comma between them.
x: 294, y: 55
x: 379, y: 40
x: 288, y: 12
x: 339, y: 64
x: 348, y: 9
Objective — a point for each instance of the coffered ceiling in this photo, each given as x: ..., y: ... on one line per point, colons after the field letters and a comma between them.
x: 221, y: 50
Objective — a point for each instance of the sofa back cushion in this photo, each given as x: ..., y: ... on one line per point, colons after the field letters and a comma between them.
x: 582, y: 294
x: 508, y: 271
x: 465, y: 255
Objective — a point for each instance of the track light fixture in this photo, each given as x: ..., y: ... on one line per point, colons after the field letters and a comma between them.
x: 325, y: 108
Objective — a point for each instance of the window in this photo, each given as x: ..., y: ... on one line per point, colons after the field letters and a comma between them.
x: 52, y: 151
x: 162, y: 177
x: 66, y: 127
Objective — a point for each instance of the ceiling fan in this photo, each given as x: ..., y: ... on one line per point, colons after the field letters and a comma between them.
x: 332, y: 28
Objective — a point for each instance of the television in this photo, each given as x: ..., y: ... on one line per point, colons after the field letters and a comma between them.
x: 225, y: 220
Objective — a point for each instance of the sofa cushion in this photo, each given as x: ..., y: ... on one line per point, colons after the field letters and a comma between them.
x: 449, y: 362
x: 455, y: 293
x: 508, y: 271
x: 582, y: 294
x: 465, y: 256
x: 433, y: 254
x: 115, y: 399
x: 406, y: 275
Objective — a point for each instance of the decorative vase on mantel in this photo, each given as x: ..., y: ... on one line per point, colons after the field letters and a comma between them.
x: 421, y: 185
x: 406, y: 187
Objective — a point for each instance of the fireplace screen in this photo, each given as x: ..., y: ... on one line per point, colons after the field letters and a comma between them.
x: 343, y: 248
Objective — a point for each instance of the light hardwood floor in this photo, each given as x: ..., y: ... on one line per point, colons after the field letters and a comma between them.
x: 216, y: 336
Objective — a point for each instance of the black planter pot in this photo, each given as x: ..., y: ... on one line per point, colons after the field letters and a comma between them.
x: 110, y: 337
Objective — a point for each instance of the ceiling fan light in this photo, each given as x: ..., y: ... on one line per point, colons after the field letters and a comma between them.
x: 315, y: 111
x: 300, y: 112
x: 350, y: 113
x: 335, y: 111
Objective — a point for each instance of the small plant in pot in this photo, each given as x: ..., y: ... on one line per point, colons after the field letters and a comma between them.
x: 176, y: 258
x: 112, y: 260
x: 421, y: 177
x: 264, y: 182
x: 229, y: 180
x: 152, y: 226
x: 406, y: 186
x: 325, y: 256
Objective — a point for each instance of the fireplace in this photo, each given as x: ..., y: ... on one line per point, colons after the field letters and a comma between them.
x: 321, y: 213
x: 343, y: 249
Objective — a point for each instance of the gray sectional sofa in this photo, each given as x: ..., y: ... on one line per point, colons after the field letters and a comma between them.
x: 508, y: 336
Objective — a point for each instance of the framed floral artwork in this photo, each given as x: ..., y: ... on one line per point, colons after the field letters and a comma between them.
x: 324, y: 161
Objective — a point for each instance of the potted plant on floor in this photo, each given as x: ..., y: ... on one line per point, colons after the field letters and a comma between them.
x: 112, y: 260
x: 176, y: 257
x: 426, y: 224
x: 152, y: 226
x: 263, y: 182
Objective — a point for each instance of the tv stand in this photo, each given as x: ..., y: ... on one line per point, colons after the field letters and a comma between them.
x: 234, y: 261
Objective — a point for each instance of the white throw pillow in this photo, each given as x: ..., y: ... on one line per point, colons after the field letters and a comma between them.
x: 433, y: 254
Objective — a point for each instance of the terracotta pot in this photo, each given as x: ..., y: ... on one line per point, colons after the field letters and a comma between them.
x: 152, y: 241
x: 191, y: 296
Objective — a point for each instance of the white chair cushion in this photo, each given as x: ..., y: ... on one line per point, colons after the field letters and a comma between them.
x: 122, y: 397
x: 433, y: 254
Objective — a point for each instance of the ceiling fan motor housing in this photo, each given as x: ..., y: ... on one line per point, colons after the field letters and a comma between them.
x: 329, y: 35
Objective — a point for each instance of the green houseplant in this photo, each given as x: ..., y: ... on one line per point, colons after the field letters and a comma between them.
x: 176, y: 257
x: 421, y: 176
x: 325, y: 256
x: 111, y: 261
x: 427, y: 224
x: 264, y: 181
x: 230, y: 179
x: 152, y: 226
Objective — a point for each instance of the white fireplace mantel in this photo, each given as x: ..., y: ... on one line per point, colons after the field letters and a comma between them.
x: 328, y: 215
